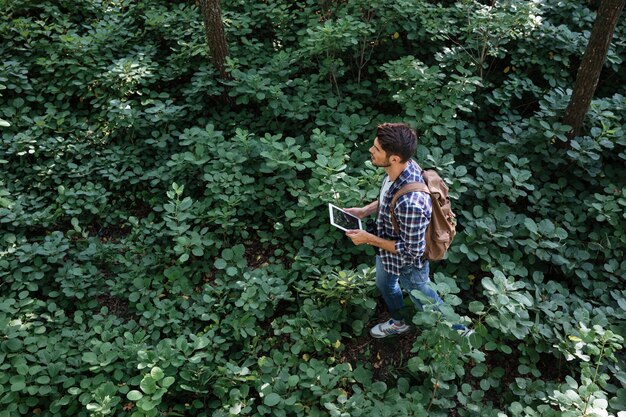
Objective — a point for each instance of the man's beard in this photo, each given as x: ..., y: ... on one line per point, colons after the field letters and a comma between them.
x: 384, y: 164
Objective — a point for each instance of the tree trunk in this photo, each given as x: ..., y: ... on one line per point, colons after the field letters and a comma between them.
x: 214, y: 28
x: 592, y: 63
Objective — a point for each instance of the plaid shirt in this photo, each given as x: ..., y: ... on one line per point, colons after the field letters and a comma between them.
x: 413, y: 211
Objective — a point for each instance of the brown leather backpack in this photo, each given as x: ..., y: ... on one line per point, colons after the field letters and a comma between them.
x: 442, y: 227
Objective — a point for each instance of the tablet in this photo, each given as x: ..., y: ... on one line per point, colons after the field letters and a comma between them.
x: 342, y: 219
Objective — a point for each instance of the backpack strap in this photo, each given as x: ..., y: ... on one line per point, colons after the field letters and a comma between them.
x: 405, y: 189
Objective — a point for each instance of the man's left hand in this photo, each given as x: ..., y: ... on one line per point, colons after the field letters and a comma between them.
x: 359, y: 237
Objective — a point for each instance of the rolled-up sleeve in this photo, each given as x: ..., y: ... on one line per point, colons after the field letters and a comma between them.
x: 413, y: 211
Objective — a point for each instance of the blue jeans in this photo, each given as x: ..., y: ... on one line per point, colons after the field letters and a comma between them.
x: 411, y: 278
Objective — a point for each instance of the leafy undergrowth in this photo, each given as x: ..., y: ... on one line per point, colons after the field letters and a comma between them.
x: 164, y: 243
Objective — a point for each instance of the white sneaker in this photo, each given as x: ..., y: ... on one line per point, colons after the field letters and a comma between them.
x: 388, y: 328
x: 466, y: 332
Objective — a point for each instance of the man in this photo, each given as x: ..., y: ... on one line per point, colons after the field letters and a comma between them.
x: 399, y: 260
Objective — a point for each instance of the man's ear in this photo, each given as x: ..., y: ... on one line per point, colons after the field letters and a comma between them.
x: 395, y: 159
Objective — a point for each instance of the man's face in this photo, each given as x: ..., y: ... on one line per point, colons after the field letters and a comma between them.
x: 379, y: 157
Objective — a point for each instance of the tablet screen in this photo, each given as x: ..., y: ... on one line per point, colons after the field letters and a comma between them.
x: 342, y: 219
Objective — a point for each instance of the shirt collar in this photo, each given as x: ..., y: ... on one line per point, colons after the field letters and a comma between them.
x: 410, y: 174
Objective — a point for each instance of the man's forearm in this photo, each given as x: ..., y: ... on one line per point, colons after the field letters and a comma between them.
x: 384, y: 244
x: 371, y: 208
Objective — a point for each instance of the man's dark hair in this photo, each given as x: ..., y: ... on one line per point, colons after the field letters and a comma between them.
x: 397, y: 139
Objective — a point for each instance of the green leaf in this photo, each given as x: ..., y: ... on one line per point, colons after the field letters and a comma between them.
x: 18, y: 383
x: 90, y: 357
x: 167, y: 381
x: 22, y: 369
x: 476, y: 306
x: 220, y: 263
x: 379, y: 387
x: 228, y: 254
x: 479, y: 370
x: 148, y: 385
x: 186, y: 203
x: 157, y: 373
x: 272, y: 399
x: 293, y: 380
x: 530, y: 225
x: 484, y: 384
x: 43, y: 380
x: 201, y: 342
x: 94, y: 407
x: 362, y: 375
x: 357, y: 326
x: 488, y: 284
x: 14, y: 345
x: 134, y: 395
x: 146, y: 404
x: 440, y: 130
